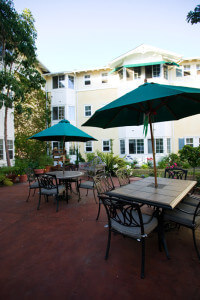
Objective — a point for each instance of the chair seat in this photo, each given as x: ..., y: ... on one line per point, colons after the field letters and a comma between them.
x: 87, y: 185
x: 34, y: 185
x: 61, y: 189
x: 135, y: 232
x: 191, y: 200
x: 180, y: 217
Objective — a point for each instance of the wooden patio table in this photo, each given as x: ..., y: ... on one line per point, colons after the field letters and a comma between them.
x: 167, y: 195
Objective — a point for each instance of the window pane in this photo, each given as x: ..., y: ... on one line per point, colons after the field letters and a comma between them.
x: 87, y: 111
x: 159, y: 146
x: 132, y: 147
x: 165, y: 72
x: 87, y: 79
x: 1, y: 149
x: 148, y: 71
x: 61, y: 113
x: 70, y: 82
x: 168, y: 145
x: 106, y: 146
x: 189, y: 141
x: 61, y: 81
x: 88, y: 146
x: 140, y: 146
x: 150, y: 146
x: 179, y: 73
x: 10, y: 148
x: 55, y: 82
x: 55, y: 113
x: 156, y: 71
x: 104, y: 77
x: 122, y: 146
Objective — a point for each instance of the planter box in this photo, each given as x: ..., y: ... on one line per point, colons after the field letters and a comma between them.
x: 23, y: 178
x: 38, y: 171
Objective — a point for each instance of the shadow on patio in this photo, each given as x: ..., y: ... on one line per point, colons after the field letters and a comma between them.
x: 49, y: 255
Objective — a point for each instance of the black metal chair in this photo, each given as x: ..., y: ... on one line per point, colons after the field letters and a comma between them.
x: 87, y: 184
x: 187, y: 216
x: 175, y: 173
x: 103, y: 183
x: 32, y: 181
x: 75, y: 180
x: 127, y: 219
x: 122, y: 176
x: 48, y: 186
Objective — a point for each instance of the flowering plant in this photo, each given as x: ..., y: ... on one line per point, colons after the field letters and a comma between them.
x: 171, y: 166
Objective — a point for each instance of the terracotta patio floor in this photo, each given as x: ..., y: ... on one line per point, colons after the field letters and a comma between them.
x: 49, y: 255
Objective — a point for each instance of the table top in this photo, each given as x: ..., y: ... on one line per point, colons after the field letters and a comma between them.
x: 66, y: 174
x: 167, y: 195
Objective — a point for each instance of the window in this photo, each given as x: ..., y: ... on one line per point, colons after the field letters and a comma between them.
x: 88, y: 110
x: 104, y: 78
x: 152, y: 71
x: 57, y: 145
x: 122, y: 146
x: 150, y: 146
x: 71, y: 113
x: 159, y: 146
x: 72, y: 148
x: 87, y: 80
x: 156, y: 71
x: 189, y: 142
x: 10, y: 148
x: 179, y: 72
x: 136, y: 146
x: 58, y: 113
x: 198, y: 69
x: 137, y: 72
x: 165, y: 70
x: 168, y: 145
x: 59, y: 81
x: 88, y: 146
x: 106, y: 146
x: 187, y: 70
x: 70, y: 82
x: 1, y: 149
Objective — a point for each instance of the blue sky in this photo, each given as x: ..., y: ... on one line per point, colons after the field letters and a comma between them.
x: 83, y: 34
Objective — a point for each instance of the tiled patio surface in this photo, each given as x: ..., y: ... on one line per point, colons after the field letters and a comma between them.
x: 49, y: 255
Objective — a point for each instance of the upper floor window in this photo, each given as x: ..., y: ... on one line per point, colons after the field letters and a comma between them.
x: 136, y: 146
x: 156, y: 70
x: 87, y: 80
x: 165, y: 70
x: 87, y: 110
x: 104, y: 77
x: 198, y: 69
x: 59, y: 81
x: 106, y: 146
x: 58, y: 113
x: 187, y: 70
x: 10, y: 148
x: 89, y: 146
x: 137, y: 72
x: 179, y: 72
x: 122, y: 146
x: 70, y: 82
x: 1, y: 149
x: 189, y: 142
x: 152, y: 71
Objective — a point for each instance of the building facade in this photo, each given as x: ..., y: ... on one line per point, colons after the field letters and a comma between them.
x: 77, y: 95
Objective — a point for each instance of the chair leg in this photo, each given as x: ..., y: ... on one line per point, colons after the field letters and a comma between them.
x: 57, y: 201
x: 28, y: 195
x: 94, y: 196
x: 98, y: 212
x: 143, y: 257
x: 108, y: 244
x: 38, y: 207
x: 195, y: 243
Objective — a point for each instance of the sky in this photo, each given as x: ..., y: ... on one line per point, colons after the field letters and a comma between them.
x: 85, y: 34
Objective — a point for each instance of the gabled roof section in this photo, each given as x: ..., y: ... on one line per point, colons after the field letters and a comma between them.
x: 140, y: 55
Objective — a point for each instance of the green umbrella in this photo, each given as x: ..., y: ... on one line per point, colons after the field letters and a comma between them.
x: 63, y: 132
x: 149, y: 103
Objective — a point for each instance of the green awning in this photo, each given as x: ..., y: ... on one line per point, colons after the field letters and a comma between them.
x: 145, y: 64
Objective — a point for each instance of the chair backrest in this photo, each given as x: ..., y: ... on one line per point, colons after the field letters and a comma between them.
x: 47, y: 182
x: 103, y: 183
x: 123, y: 212
x: 30, y: 175
x: 122, y: 176
x: 176, y: 173
x: 71, y: 167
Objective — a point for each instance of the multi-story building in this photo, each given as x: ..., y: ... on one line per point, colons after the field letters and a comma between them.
x: 77, y: 95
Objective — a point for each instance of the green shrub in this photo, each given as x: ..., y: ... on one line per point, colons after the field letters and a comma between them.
x: 112, y: 162
x: 144, y: 166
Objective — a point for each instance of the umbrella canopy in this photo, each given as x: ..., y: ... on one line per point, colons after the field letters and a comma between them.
x: 63, y: 131
x: 150, y: 102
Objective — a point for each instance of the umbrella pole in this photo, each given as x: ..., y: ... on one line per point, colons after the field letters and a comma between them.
x: 153, y: 150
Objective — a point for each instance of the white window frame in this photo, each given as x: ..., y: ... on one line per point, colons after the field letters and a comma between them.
x: 11, y: 148
x: 60, y: 78
x: 189, y: 141
x: 59, y: 116
x: 86, y: 114
x: 89, y: 144
x: 104, y: 77
x: 87, y: 79
x: 137, y: 146
x: 169, y: 145
x: 109, y: 145
x: 159, y: 146
x: 122, y: 146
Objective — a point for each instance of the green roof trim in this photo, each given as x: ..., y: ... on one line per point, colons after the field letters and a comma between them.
x: 145, y: 64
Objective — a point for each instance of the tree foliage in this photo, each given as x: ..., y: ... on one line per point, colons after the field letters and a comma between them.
x: 192, y: 155
x: 18, y: 75
x: 194, y: 16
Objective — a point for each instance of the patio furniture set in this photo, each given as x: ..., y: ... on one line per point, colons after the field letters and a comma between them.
x: 172, y: 201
